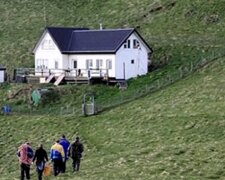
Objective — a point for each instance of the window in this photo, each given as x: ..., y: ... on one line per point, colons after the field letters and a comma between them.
x: 99, y: 63
x: 132, y: 61
x: 48, y: 45
x: 89, y: 63
x: 74, y: 64
x: 136, y: 44
x: 42, y: 64
x: 108, y: 64
x: 56, y: 65
x: 127, y: 44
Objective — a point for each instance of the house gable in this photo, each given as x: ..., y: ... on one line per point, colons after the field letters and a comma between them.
x: 85, y: 41
x: 60, y: 35
x: 140, y: 40
x: 63, y: 36
x: 46, y: 43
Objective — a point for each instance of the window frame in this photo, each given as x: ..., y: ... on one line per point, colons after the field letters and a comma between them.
x: 127, y: 44
x: 109, y: 64
x: 56, y: 64
x: 47, y: 44
x: 74, y: 64
x: 89, y: 63
x: 42, y: 64
x: 99, y: 63
x: 136, y: 44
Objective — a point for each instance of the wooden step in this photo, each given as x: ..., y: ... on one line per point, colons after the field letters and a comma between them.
x: 59, y: 79
x: 50, y: 78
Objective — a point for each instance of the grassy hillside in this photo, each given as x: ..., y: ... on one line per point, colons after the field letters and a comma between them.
x: 170, y: 27
x: 176, y: 133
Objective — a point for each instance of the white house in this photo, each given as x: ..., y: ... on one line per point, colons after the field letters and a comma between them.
x: 113, y: 54
x: 2, y: 74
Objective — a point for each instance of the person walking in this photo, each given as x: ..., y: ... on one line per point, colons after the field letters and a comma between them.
x: 57, y: 156
x: 25, y: 155
x: 75, y: 152
x: 65, y: 144
x: 41, y: 157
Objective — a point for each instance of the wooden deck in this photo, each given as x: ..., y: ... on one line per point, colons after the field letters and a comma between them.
x: 65, y: 76
x: 76, y: 80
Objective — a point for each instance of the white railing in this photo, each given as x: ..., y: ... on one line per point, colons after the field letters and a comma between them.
x: 89, y: 73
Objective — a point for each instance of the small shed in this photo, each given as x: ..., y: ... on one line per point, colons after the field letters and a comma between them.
x: 2, y: 74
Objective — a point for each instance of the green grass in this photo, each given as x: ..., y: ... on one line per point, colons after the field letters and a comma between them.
x: 175, y: 133
x: 186, y: 22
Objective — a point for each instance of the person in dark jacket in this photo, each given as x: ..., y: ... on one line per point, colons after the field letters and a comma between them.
x: 65, y: 144
x: 41, y: 157
x: 75, y: 152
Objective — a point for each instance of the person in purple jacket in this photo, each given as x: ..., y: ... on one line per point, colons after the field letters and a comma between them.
x: 65, y: 144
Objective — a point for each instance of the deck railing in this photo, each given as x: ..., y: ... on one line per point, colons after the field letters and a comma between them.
x: 89, y: 73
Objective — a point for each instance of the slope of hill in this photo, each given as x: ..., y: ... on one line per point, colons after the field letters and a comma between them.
x: 171, y: 27
x: 180, y: 32
x: 176, y: 133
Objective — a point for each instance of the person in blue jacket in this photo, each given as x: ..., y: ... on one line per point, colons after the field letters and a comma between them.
x: 65, y: 144
x: 57, y: 157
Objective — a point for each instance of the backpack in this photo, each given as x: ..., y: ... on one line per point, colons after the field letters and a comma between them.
x: 30, y: 153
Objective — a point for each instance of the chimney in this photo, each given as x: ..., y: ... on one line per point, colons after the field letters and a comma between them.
x: 100, y: 26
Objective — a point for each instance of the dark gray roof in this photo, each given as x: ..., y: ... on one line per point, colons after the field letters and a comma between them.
x: 98, y: 40
x: 83, y: 40
x: 62, y: 35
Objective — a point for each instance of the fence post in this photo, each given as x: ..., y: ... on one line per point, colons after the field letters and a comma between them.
x: 168, y: 79
x: 191, y: 67
x: 121, y: 98
x: 213, y: 54
x: 181, y: 72
x: 61, y: 110
x: 158, y: 84
x: 146, y: 88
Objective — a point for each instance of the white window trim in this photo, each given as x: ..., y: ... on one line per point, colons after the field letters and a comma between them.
x: 136, y: 44
x: 127, y: 44
x: 108, y: 63
x: 89, y: 63
x: 56, y: 64
x: 73, y: 61
x: 100, y: 63
x: 47, y: 44
x: 42, y: 64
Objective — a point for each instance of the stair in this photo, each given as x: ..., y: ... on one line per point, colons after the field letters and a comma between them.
x: 59, y: 79
x: 50, y: 78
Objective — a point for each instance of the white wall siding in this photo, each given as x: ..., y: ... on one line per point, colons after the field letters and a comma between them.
x: 2, y: 76
x: 126, y: 63
x: 81, y: 62
x: 49, y: 53
x: 65, y: 61
x: 125, y: 56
